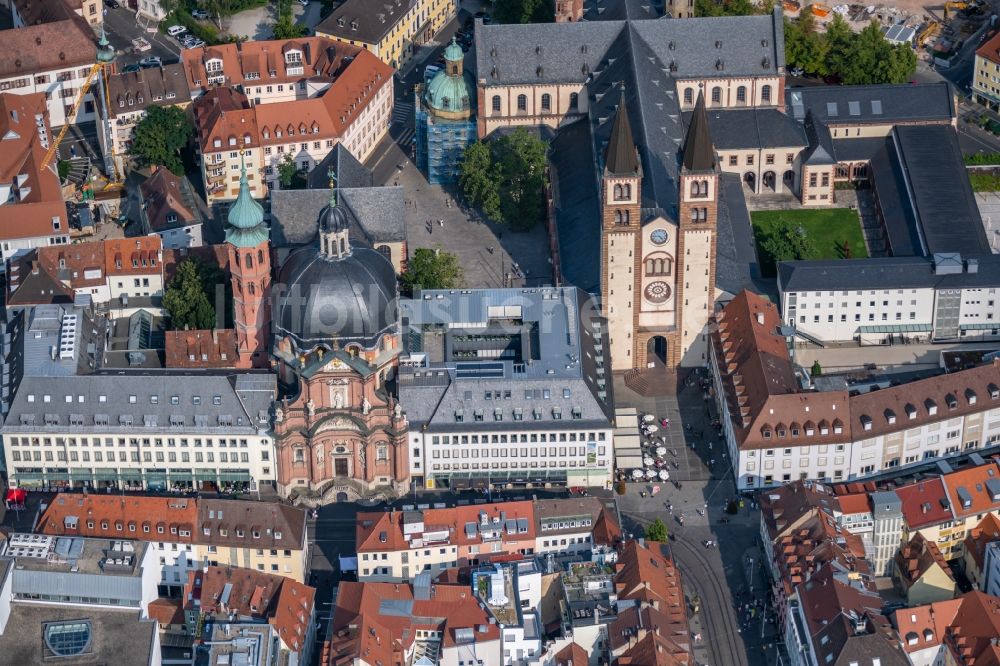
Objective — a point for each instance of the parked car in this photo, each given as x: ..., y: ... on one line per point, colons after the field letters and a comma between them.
x: 131, y: 68
x: 175, y: 30
x: 200, y: 14
x: 797, y: 71
x: 112, y: 3
x: 140, y: 45
x: 151, y: 61
x: 196, y: 44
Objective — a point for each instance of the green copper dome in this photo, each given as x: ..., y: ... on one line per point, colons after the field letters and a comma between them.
x: 105, y: 52
x: 246, y: 218
x: 454, y: 52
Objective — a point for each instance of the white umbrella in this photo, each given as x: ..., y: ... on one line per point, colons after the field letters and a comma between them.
x: 661, y: 450
x: 664, y: 475
x: 637, y: 473
x: 651, y: 428
x: 648, y: 418
x: 651, y: 473
x: 647, y: 461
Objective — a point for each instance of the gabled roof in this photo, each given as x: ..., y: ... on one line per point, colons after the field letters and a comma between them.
x: 974, y: 490
x: 916, y: 558
x: 34, y: 49
x: 980, y: 536
x: 646, y: 573
x: 921, y: 627
x: 971, y: 636
x: 201, y: 349
x: 141, y: 518
x: 924, y: 503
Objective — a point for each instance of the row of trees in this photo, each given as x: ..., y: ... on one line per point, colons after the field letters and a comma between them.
x: 506, y: 178
x: 854, y: 58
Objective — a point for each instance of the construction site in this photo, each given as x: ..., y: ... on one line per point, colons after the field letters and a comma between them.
x: 936, y: 31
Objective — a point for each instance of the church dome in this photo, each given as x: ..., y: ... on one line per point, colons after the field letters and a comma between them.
x: 334, y: 218
x: 450, y: 91
x: 348, y: 299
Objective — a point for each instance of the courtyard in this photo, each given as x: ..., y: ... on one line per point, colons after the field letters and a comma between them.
x: 832, y: 233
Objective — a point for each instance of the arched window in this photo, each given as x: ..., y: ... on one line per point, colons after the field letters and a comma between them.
x: 626, y: 191
x: 239, y: 286
x: 741, y: 95
x: 688, y: 95
x: 385, y: 251
x: 573, y: 100
x: 694, y: 214
x: 252, y: 289
x: 445, y: 103
x: 658, y: 265
x: 695, y: 188
x: 237, y: 260
x: 496, y: 103
x: 765, y: 94
x: 522, y: 102
x: 260, y: 256
x: 546, y: 102
x: 621, y: 217
x: 702, y: 214
x: 618, y: 191
x: 249, y: 261
x: 716, y: 95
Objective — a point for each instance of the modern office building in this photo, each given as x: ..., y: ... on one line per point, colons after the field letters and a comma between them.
x: 508, y: 387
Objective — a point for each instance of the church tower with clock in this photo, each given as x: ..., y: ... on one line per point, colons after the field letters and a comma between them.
x: 657, y: 275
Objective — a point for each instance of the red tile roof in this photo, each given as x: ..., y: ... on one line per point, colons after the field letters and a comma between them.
x: 980, y: 536
x: 166, y: 611
x: 140, y: 255
x: 854, y: 503
x: 971, y: 636
x: 921, y: 627
x: 769, y: 409
x: 141, y: 518
x: 286, y: 604
x: 41, y: 48
x: 161, y: 197
x: 572, y: 655
x: 915, y: 558
x: 371, y: 527
x: 924, y: 503
x: 991, y: 49
x: 969, y: 486
x: 647, y: 573
x: 201, y: 349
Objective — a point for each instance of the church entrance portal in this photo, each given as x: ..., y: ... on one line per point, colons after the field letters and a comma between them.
x: 340, y: 467
x: 769, y: 181
x: 750, y: 180
x: 656, y: 351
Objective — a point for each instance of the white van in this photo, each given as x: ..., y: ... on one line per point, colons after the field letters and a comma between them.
x: 175, y: 30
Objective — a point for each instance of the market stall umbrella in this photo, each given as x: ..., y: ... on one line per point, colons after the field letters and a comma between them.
x: 637, y: 473
x: 648, y: 418
x: 661, y: 450
x: 651, y: 428
x: 664, y: 475
x: 647, y: 461
x: 651, y: 473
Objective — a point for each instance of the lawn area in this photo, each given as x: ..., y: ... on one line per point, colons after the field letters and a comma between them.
x: 827, y: 229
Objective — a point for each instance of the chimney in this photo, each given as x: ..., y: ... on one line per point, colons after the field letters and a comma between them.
x: 760, y: 318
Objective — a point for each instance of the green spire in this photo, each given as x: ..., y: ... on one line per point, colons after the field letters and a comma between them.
x: 246, y: 217
x: 105, y: 52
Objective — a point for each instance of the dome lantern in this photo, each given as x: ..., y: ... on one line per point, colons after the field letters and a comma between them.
x: 245, y: 222
x: 334, y: 242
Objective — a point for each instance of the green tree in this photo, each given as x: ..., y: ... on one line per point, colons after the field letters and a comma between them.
x: 656, y: 531
x: 730, y: 8
x: 804, y: 46
x: 285, y: 26
x: 786, y: 242
x: 288, y: 170
x: 186, y: 298
x: 432, y: 269
x: 816, y: 370
x: 160, y: 136
x: 479, y: 179
x: 524, y: 11
x: 522, y: 160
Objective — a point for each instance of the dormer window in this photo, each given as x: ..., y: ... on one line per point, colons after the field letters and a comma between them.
x: 213, y: 66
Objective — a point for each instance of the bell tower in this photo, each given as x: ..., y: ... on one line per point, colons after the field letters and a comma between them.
x: 249, y: 246
x: 697, y: 225
x: 621, y: 215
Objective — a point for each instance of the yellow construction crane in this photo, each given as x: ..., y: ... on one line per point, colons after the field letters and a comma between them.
x: 105, y: 56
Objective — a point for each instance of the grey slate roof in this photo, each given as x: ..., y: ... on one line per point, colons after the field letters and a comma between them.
x: 736, y: 266
x: 202, y: 398
x: 578, y: 217
x: 621, y: 157
x: 944, y: 203
x: 884, y: 273
x: 562, y: 367
x: 377, y: 215
x: 562, y: 49
x: 698, y: 153
x: 365, y: 21
x: 736, y: 129
x: 881, y: 104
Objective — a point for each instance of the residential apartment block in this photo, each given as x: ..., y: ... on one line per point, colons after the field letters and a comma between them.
x: 230, y: 607
x: 506, y: 388
x: 396, y: 545
x: 54, y: 59
x: 32, y: 210
x: 187, y: 534
x: 393, y: 30
x: 297, y: 100
x: 130, y: 95
x: 778, y: 429
x: 629, y: 609
x: 986, y: 74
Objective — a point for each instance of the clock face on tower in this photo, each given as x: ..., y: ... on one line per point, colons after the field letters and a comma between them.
x: 658, y: 237
x: 657, y: 292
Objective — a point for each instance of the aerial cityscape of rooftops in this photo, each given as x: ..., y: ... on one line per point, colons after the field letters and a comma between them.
x: 500, y: 333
